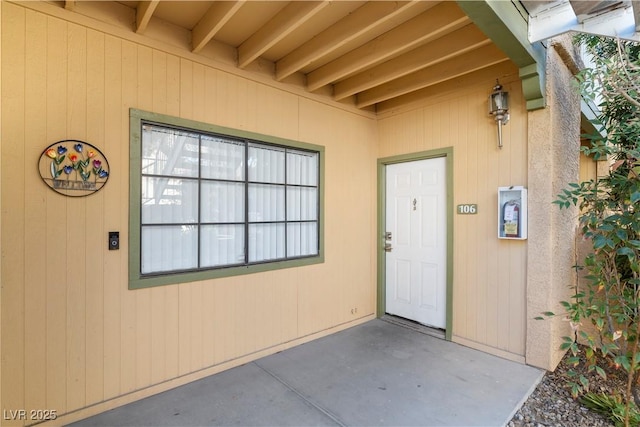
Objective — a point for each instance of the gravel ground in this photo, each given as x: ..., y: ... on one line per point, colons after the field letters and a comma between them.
x: 551, y: 403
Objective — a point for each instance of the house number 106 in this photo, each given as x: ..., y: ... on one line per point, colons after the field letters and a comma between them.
x: 468, y: 209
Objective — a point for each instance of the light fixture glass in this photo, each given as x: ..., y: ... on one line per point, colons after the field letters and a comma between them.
x: 499, y: 108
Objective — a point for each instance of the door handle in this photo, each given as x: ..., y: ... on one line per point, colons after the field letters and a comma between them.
x: 387, y: 247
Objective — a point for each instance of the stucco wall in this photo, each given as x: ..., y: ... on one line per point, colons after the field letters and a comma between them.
x: 554, y: 143
x: 73, y: 335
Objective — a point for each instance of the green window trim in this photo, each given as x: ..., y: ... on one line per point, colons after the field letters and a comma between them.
x: 139, y: 281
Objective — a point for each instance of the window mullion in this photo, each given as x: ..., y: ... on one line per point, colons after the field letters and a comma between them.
x: 246, y: 202
x: 286, y: 207
x: 199, y: 207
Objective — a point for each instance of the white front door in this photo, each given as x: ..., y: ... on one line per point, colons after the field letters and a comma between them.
x: 416, y: 265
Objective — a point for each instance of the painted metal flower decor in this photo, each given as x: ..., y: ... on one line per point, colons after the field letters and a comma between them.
x: 73, y: 168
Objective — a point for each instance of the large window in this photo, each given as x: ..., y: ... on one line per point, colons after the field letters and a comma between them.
x: 212, y: 200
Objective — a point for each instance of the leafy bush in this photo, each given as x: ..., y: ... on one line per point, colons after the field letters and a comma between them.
x: 610, y: 218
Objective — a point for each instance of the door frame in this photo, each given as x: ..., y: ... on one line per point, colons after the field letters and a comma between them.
x: 382, y: 181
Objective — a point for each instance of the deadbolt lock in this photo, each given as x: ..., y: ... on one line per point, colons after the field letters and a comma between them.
x: 387, y: 235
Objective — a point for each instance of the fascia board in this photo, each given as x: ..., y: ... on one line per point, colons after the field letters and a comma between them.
x: 506, y: 26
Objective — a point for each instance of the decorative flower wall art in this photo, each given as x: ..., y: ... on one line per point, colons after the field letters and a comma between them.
x: 73, y: 168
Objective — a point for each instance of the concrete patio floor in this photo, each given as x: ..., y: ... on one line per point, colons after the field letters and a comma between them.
x: 374, y: 374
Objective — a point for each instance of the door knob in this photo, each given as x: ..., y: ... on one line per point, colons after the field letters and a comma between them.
x: 387, y: 247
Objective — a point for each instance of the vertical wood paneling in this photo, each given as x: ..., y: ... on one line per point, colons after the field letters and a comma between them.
x: 13, y: 221
x: 35, y: 214
x: 184, y: 339
x: 198, y: 101
x: 1, y: 207
x: 192, y: 295
x: 243, y: 303
x: 220, y: 88
x: 587, y: 168
x: 218, y: 307
x: 110, y: 340
x: 173, y: 81
x: 498, y: 305
x: 193, y: 104
x: 160, y: 83
x: 497, y: 263
x: 470, y: 145
x: 231, y: 320
x: 76, y: 224
x: 143, y: 307
x: 208, y: 326
x: 95, y: 229
x: 128, y: 302
x: 211, y: 95
x: 56, y: 237
x: 196, y: 312
x: 488, y: 184
x: 250, y: 108
x: 475, y: 175
x: 249, y: 319
x: 157, y: 338
x: 113, y: 285
x: 185, y: 336
x: 461, y: 225
x: 172, y: 332
x: 73, y: 334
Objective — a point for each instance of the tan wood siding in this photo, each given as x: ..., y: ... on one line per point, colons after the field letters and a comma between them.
x: 489, y: 273
x: 73, y: 335
x: 588, y: 168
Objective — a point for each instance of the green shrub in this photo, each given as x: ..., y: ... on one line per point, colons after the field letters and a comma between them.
x: 610, y: 219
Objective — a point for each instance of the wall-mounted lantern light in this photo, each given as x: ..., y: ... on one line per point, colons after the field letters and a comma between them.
x: 499, y: 108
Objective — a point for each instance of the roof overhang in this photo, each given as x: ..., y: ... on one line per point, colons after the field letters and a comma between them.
x: 609, y: 18
x: 505, y: 23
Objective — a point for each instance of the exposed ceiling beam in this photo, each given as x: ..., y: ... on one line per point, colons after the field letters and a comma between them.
x: 427, y: 26
x: 144, y: 11
x: 457, y: 66
x: 285, y: 22
x: 460, y: 84
x: 70, y: 4
x: 357, y: 23
x: 457, y: 43
x: 216, y: 17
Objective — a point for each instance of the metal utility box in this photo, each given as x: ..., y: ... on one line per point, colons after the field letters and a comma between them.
x: 512, y: 213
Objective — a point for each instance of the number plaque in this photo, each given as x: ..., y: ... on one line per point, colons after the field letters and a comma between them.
x: 467, y: 209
